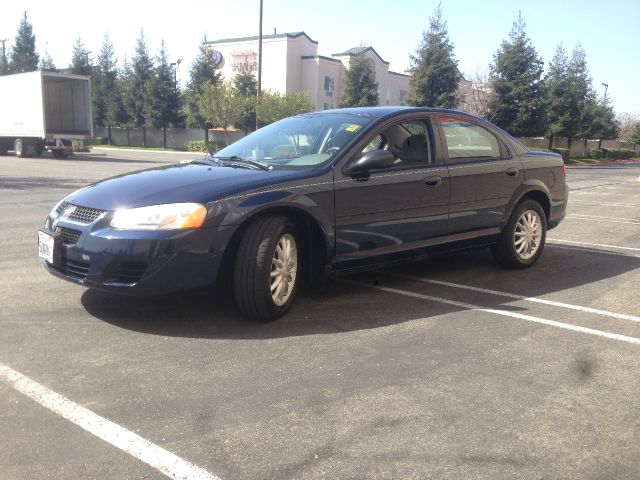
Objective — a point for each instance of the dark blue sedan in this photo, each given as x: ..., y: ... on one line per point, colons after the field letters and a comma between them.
x: 325, y: 192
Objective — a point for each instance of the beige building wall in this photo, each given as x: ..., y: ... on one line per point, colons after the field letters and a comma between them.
x: 291, y: 64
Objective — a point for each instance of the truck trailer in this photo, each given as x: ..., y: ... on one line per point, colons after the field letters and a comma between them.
x: 44, y: 110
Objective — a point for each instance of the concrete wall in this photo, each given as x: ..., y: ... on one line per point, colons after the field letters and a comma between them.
x: 176, y: 138
x: 579, y: 147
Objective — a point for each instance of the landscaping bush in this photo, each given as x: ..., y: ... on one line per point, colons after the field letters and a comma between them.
x: 562, y: 151
x: 611, y: 153
x: 198, y: 146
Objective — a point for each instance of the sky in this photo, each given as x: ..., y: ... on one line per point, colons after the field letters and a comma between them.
x: 608, y: 31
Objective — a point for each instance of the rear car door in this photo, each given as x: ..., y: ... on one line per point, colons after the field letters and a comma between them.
x: 484, y: 174
x: 396, y: 208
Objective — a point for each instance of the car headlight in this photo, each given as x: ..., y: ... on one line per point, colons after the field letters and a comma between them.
x: 172, y: 216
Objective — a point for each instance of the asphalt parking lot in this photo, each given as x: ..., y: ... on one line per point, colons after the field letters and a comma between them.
x: 449, y: 368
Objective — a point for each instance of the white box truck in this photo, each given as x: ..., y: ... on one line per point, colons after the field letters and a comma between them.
x: 44, y: 110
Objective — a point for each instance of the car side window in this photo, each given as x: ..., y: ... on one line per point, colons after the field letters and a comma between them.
x: 408, y: 141
x: 467, y: 140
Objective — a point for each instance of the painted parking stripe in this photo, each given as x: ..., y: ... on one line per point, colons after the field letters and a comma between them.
x: 602, y: 219
x: 136, y: 446
x: 621, y: 316
x: 590, y: 250
x: 587, y: 202
x: 505, y: 313
x: 571, y: 242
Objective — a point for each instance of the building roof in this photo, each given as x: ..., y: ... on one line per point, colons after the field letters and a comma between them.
x: 357, y: 51
x: 264, y: 37
x: 320, y: 57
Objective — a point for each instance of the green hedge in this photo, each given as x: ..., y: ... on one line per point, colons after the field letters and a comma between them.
x: 562, y: 151
x: 611, y: 153
x: 199, y: 146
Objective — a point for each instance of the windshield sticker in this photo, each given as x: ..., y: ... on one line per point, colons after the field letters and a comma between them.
x: 352, y: 128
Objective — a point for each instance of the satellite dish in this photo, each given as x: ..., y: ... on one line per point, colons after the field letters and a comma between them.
x: 217, y: 60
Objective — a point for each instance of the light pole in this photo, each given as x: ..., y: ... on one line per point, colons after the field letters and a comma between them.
x: 606, y: 87
x: 259, y: 63
x: 175, y: 66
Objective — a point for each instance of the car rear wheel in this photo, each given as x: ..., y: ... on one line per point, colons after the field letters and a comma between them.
x: 522, y: 241
x: 266, y: 268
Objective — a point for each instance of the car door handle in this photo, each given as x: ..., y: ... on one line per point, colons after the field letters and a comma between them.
x: 433, y: 181
x: 512, y: 172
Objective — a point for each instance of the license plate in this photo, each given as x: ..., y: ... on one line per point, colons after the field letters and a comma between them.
x: 45, y: 246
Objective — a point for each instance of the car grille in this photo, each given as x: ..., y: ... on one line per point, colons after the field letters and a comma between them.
x: 72, y: 268
x: 69, y: 236
x: 84, y: 215
x: 126, y: 272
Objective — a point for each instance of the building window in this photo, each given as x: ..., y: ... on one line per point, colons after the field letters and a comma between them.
x: 329, y: 84
x: 326, y: 106
x: 380, y: 91
x: 403, y: 97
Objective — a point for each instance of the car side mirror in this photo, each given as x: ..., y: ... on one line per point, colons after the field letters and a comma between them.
x: 375, y: 159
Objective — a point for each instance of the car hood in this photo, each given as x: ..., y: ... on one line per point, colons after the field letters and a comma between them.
x: 187, y: 182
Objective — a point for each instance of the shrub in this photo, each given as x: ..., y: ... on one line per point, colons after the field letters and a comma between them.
x: 611, y: 153
x: 562, y: 151
x: 596, y: 153
x: 198, y: 146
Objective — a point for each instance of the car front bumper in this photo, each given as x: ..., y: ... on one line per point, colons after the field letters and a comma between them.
x: 137, y: 262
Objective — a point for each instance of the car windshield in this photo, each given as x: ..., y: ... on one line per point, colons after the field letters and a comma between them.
x: 302, y: 142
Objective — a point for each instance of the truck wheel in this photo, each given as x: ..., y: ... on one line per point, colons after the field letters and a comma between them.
x: 522, y: 240
x: 266, y: 268
x: 18, y: 148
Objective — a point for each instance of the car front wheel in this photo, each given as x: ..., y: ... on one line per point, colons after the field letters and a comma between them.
x: 266, y: 268
x: 521, y: 242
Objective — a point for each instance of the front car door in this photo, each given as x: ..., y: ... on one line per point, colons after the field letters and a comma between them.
x: 484, y: 173
x: 396, y: 208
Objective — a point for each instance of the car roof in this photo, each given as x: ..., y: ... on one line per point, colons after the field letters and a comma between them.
x: 385, y: 111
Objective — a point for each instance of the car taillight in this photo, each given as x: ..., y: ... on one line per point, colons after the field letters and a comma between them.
x: 564, y: 169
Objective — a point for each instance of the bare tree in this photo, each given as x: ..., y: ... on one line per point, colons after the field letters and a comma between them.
x: 474, y: 95
x: 627, y: 123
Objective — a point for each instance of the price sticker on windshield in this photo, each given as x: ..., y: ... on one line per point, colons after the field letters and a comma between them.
x: 352, y: 128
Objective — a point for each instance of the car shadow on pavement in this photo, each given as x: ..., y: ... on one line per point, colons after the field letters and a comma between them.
x: 349, y: 304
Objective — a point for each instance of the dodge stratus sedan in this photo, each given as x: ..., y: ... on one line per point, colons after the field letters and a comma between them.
x: 320, y: 193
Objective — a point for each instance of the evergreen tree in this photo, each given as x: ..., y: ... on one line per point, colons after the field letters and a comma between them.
x: 202, y: 70
x: 518, y: 102
x: 23, y: 54
x: 247, y: 86
x: 106, y: 93
x: 361, y: 88
x: 162, y: 107
x: 434, y: 67
x: 561, y: 112
x: 4, y: 63
x: 46, y: 62
x: 80, y: 61
x: 201, y: 74
x: 136, y: 86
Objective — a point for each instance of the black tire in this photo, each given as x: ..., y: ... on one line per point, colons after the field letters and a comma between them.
x: 506, y: 251
x: 253, y: 268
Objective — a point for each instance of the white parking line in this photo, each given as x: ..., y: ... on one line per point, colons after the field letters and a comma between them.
x: 505, y: 313
x: 136, y: 446
x: 571, y: 242
x: 605, y: 204
x: 627, y: 221
x: 591, y: 250
x: 622, y: 316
